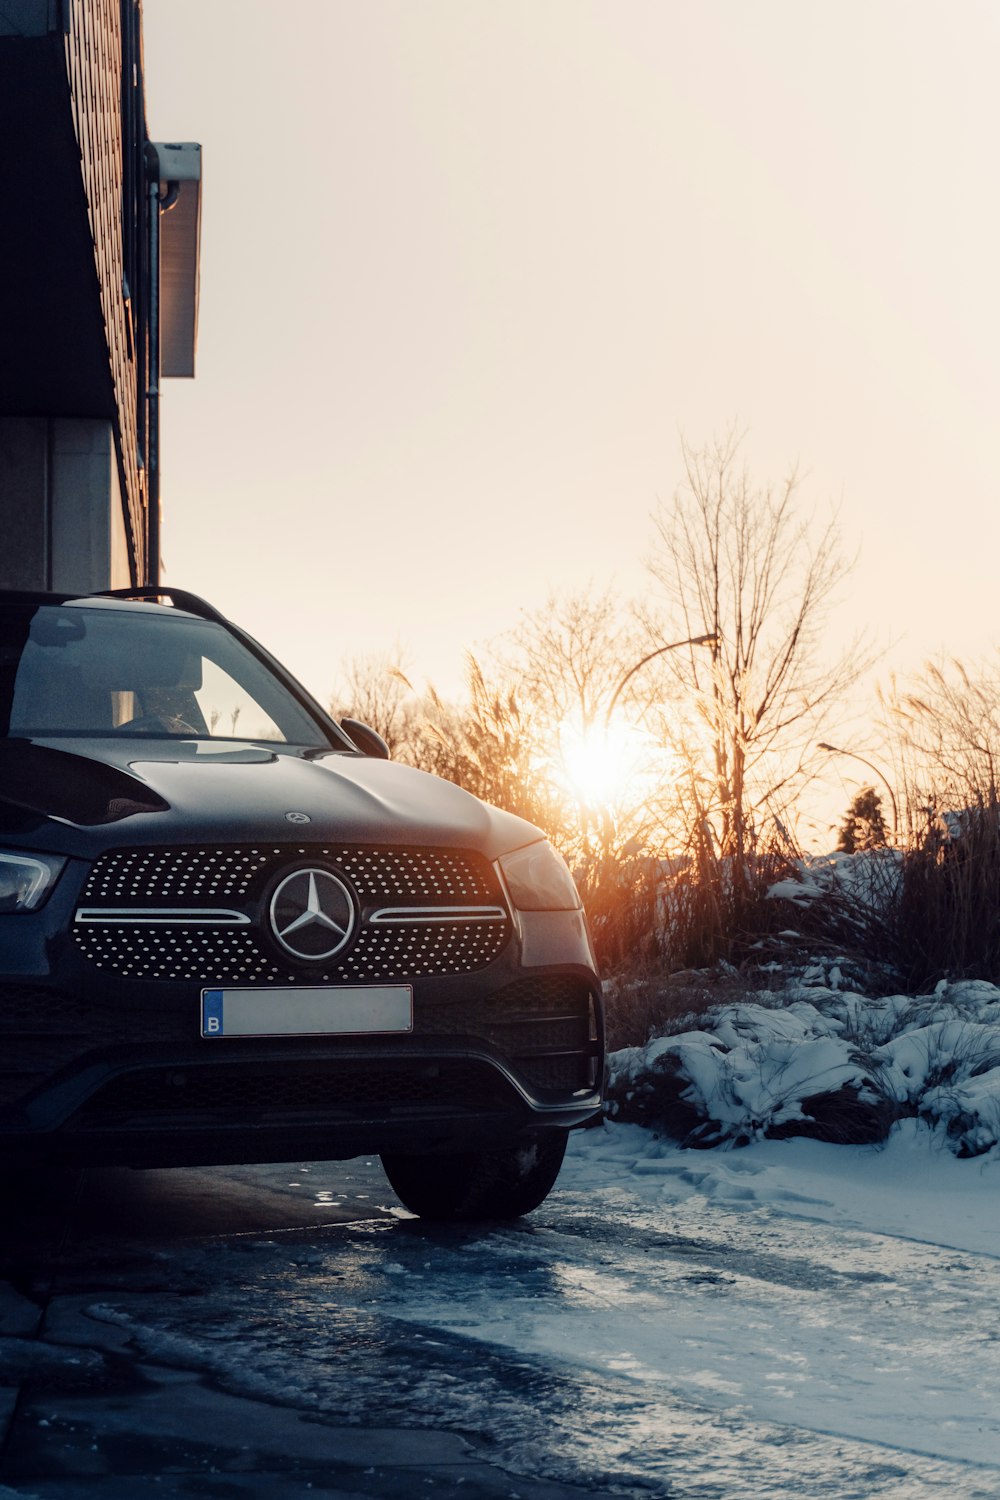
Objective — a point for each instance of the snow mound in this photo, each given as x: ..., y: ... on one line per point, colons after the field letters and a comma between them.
x: 869, y: 875
x: 835, y: 1066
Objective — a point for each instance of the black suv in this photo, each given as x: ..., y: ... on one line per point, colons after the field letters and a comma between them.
x: 231, y: 930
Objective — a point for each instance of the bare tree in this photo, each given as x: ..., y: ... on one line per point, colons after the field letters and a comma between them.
x: 739, y: 562
x: 530, y: 733
x: 569, y: 656
x: 378, y: 692
x: 945, y: 729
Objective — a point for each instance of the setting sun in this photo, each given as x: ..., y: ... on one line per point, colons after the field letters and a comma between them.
x: 609, y: 768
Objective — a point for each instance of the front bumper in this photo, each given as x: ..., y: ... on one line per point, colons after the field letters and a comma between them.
x: 102, y: 1068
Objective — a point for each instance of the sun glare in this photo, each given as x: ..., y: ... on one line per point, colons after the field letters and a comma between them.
x: 608, y: 767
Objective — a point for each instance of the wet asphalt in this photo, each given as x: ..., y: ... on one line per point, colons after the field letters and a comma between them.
x: 288, y: 1331
x: 90, y: 1408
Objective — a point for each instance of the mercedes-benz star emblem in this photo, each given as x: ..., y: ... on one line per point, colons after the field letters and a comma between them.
x: 312, y: 914
x: 297, y: 817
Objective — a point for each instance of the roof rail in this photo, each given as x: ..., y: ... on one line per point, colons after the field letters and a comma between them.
x: 179, y: 598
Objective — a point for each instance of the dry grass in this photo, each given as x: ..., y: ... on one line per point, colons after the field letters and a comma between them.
x: 645, y: 1006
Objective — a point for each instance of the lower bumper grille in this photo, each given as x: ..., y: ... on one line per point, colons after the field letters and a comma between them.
x: 44, y: 1030
x: 545, y: 1025
x: 235, y: 1096
x: 542, y: 1025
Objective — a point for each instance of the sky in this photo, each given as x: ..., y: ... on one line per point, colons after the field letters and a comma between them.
x: 470, y: 271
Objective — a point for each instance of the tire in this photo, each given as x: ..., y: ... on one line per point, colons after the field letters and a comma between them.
x: 479, y: 1184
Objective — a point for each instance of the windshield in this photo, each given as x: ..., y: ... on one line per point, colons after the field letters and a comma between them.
x: 74, y: 670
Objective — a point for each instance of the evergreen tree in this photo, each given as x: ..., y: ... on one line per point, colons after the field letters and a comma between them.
x: 864, y: 826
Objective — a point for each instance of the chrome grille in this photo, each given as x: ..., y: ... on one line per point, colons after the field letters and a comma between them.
x: 161, y: 914
x: 232, y: 955
x: 211, y: 874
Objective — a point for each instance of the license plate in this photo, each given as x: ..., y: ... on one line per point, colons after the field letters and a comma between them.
x: 347, y: 1010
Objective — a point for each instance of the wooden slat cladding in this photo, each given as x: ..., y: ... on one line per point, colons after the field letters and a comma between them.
x: 106, y: 101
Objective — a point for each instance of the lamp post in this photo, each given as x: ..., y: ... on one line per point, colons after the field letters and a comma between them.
x: 694, y: 640
x: 836, y: 750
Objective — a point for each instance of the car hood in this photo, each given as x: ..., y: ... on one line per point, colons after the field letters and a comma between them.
x: 78, y: 797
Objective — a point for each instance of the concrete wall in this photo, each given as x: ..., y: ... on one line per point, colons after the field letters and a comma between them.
x: 74, y: 286
x: 62, y: 523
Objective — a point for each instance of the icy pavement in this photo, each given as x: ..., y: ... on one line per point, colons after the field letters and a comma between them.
x: 788, y: 1320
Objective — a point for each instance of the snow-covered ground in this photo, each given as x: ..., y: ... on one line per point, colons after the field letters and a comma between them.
x: 911, y: 1188
x: 793, y: 1318
x: 892, y: 1332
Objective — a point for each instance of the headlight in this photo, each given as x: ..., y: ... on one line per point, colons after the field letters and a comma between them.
x: 26, y: 879
x: 538, y: 879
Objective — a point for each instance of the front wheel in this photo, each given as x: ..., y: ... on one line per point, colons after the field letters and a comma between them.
x: 479, y: 1184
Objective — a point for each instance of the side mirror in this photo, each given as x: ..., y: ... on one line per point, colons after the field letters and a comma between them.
x: 368, y: 741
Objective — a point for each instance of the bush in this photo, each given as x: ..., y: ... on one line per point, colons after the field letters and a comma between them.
x: 946, y: 924
x: 826, y: 1064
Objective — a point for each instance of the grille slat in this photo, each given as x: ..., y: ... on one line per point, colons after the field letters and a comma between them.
x: 201, y: 1094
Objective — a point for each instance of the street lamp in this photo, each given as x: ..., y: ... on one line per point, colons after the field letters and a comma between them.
x: 836, y: 750
x: 694, y: 640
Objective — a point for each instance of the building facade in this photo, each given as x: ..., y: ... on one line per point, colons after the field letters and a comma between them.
x: 98, y: 295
